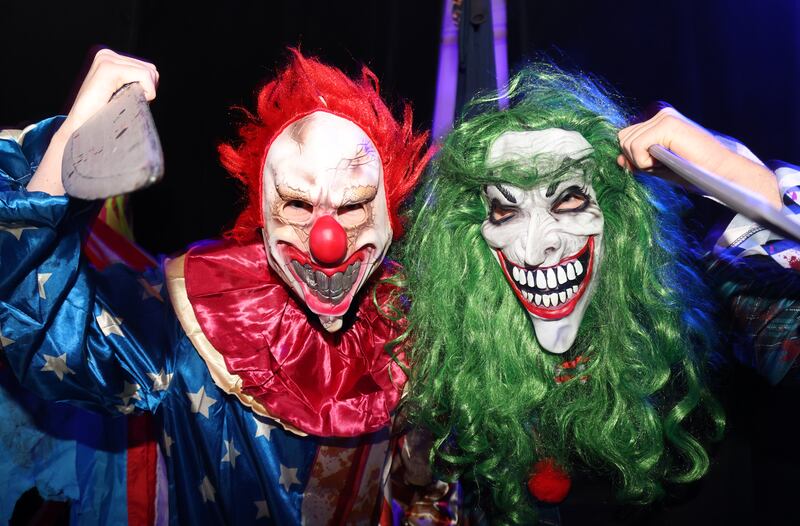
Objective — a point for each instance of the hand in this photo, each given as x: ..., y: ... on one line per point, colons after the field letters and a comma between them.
x: 109, y: 72
x: 675, y: 132
x: 695, y: 144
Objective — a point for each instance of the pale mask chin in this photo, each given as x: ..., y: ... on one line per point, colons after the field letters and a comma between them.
x: 326, y: 222
x: 548, y: 239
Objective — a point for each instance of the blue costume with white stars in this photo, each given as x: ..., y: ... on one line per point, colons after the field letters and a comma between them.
x: 111, y: 341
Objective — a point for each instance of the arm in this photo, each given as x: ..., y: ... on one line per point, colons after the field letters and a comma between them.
x: 692, y: 142
x: 68, y: 331
x: 749, y: 266
x: 108, y: 72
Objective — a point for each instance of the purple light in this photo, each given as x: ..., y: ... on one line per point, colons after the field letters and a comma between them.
x: 447, y: 77
x: 445, y: 105
x: 500, y: 47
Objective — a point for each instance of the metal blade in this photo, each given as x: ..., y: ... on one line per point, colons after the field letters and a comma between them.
x: 116, y: 151
x: 731, y: 195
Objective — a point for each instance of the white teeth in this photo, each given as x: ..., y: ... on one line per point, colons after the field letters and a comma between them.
x: 551, y: 279
x: 540, y: 280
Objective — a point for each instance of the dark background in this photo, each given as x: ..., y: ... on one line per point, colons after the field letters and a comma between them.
x: 732, y: 65
x: 209, y: 59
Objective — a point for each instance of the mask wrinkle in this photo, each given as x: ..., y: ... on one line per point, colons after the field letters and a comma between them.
x: 542, y: 240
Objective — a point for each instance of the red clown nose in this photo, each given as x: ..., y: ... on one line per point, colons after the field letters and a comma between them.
x: 328, y: 241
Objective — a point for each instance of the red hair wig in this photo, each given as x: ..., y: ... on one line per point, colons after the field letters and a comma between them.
x: 306, y: 86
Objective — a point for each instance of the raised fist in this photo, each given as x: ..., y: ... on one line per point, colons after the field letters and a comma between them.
x: 109, y: 72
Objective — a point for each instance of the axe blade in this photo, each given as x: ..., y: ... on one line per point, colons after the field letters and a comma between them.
x: 116, y: 151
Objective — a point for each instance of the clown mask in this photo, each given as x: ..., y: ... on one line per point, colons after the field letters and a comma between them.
x: 325, y: 215
x: 548, y: 238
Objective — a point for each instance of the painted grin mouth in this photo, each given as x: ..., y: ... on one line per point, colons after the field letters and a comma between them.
x: 329, y: 289
x: 551, y: 292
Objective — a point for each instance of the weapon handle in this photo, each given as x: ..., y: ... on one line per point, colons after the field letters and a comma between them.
x: 731, y: 195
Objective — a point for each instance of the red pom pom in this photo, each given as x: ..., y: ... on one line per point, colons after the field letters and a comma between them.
x: 549, y: 483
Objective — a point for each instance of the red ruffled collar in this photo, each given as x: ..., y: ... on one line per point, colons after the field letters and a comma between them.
x: 325, y: 384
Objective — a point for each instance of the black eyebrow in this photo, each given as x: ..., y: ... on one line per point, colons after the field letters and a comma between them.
x: 551, y: 190
x: 506, y: 193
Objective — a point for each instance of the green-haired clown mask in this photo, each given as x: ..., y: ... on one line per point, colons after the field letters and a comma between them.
x: 548, y: 238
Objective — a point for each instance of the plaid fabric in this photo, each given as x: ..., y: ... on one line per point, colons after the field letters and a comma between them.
x: 757, y: 273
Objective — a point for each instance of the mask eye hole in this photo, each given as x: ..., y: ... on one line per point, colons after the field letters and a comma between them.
x: 297, y: 211
x: 572, y: 199
x: 352, y: 214
x: 499, y: 214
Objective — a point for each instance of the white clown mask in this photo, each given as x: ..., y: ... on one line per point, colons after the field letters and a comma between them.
x: 548, y: 239
x: 325, y: 214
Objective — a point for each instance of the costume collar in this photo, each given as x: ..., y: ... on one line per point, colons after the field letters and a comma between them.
x: 265, y: 348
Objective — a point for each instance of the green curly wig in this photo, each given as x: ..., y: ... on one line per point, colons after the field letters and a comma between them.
x: 480, y: 381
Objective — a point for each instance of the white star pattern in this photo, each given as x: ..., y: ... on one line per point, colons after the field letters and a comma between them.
x: 168, y: 444
x: 201, y: 402
x: 230, y: 453
x: 263, y: 429
x: 160, y: 380
x: 207, y: 490
x: 16, y: 230
x: 150, y: 290
x: 126, y: 409
x: 288, y: 477
x: 3, y: 340
x: 57, y: 364
x: 109, y: 323
x: 263, y: 511
x: 130, y: 391
x: 42, y: 279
